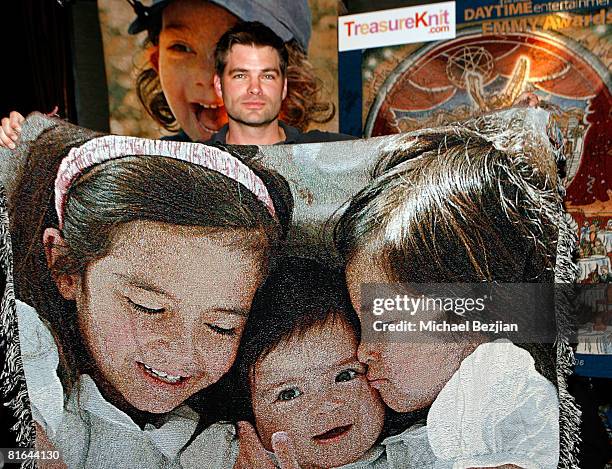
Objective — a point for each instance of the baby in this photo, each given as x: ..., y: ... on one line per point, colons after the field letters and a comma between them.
x: 298, y: 362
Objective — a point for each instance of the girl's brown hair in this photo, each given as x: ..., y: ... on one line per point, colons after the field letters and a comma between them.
x: 450, y: 207
x: 112, y: 193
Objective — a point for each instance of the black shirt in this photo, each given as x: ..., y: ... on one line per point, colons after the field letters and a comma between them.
x: 292, y: 135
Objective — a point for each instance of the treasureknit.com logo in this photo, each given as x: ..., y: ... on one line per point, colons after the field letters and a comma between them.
x: 397, y: 26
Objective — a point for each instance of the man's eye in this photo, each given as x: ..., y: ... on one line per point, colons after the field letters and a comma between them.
x: 222, y: 330
x: 347, y: 375
x: 289, y: 394
x: 144, y: 309
x: 269, y: 77
x: 239, y: 76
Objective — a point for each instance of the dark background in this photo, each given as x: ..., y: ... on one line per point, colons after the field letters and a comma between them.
x: 54, y: 57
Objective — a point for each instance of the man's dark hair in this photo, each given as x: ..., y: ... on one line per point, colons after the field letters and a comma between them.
x: 249, y: 33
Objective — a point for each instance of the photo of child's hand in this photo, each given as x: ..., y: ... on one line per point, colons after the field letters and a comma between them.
x: 284, y: 451
x: 252, y: 454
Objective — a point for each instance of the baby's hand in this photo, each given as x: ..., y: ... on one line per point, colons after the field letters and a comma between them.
x: 252, y: 454
x: 284, y: 451
x: 10, y: 129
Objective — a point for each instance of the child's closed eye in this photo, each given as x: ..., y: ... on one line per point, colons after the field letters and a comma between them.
x: 144, y: 309
x: 288, y: 394
x: 231, y: 331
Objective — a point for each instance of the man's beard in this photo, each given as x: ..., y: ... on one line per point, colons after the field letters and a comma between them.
x: 253, y: 124
x: 263, y: 123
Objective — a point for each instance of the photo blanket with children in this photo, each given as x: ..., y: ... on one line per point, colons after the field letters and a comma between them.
x: 297, y: 238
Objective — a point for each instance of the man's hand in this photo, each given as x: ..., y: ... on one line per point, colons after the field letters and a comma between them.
x: 10, y: 129
x: 252, y: 454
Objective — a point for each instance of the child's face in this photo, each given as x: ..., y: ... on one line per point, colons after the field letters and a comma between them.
x: 314, y: 388
x: 409, y: 373
x: 186, y: 65
x: 163, y: 312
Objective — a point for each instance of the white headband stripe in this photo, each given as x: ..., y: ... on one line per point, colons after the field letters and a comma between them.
x: 101, y: 149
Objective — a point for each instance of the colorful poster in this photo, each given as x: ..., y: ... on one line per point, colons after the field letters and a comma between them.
x: 560, y: 51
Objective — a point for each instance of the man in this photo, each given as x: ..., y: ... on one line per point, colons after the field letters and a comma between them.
x: 251, y: 78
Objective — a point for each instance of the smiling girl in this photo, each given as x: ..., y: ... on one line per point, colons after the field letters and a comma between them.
x: 137, y: 269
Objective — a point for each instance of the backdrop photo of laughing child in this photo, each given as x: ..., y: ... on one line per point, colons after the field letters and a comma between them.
x: 136, y: 262
x: 176, y: 85
x: 455, y: 209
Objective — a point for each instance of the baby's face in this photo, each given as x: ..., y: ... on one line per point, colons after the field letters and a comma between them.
x: 314, y: 388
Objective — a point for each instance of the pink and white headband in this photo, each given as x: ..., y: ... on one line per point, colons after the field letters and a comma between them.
x: 101, y: 149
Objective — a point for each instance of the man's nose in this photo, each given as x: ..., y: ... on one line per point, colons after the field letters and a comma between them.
x: 254, y: 86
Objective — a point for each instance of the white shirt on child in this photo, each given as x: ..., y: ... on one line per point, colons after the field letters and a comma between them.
x: 92, y: 433
x: 496, y: 409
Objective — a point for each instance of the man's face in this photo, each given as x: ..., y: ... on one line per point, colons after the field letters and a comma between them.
x: 252, y: 86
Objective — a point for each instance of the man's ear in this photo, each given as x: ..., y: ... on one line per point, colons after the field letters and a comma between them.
x: 153, y: 57
x: 55, y: 248
x: 217, y: 83
x: 285, y: 88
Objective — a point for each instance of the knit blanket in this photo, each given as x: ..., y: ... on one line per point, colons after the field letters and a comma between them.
x: 323, y: 178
